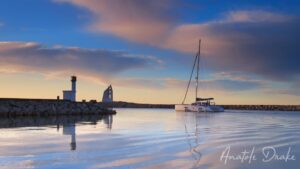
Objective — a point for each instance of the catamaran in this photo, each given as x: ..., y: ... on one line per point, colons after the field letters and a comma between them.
x: 200, y: 104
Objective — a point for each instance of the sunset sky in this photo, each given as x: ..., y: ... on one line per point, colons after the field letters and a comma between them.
x: 145, y: 49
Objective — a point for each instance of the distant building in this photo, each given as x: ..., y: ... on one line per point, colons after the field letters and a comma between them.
x: 71, y: 94
x: 108, y: 95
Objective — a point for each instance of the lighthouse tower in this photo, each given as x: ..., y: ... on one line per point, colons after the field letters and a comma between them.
x: 71, y: 94
x: 73, y: 80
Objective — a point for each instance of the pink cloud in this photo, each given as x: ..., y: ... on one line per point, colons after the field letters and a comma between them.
x: 265, y: 39
x: 140, y: 21
x: 153, y: 22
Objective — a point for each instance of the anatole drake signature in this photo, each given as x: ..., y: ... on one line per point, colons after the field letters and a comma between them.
x: 268, y: 154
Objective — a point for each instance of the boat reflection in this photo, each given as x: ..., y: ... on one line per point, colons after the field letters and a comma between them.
x: 68, y: 123
x: 195, y: 136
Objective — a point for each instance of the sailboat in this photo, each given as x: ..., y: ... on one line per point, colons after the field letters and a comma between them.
x: 200, y: 104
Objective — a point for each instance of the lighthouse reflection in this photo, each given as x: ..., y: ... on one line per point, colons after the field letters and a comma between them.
x: 66, y: 124
x: 70, y: 129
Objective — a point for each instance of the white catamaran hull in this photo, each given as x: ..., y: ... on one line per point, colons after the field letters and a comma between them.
x: 198, y: 108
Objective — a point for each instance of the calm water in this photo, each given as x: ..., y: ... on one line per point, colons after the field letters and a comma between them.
x: 153, y: 138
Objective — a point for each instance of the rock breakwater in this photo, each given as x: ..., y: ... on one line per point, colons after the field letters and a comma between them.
x: 122, y: 104
x: 44, y: 107
x: 264, y: 107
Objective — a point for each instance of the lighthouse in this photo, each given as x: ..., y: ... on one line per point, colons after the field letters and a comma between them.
x: 71, y: 94
x: 73, y: 81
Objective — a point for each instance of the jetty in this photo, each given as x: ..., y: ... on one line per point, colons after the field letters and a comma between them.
x: 10, y: 107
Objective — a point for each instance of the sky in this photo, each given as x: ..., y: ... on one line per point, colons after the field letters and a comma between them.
x: 145, y: 49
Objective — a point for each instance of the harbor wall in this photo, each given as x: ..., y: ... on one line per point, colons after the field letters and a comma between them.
x: 47, y: 107
x: 121, y: 104
x: 263, y: 107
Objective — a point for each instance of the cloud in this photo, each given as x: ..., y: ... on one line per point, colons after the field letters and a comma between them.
x: 136, y: 20
x: 259, y: 42
x: 227, y: 86
x: 255, y: 16
x: 135, y: 82
x: 283, y: 91
x: 288, y: 92
x: 224, y: 85
x: 96, y: 64
x: 265, y: 46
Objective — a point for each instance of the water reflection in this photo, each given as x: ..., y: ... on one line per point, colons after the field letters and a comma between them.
x: 69, y: 129
x: 148, y: 139
x: 197, y: 133
x: 191, y: 123
x: 68, y: 123
x: 108, y: 120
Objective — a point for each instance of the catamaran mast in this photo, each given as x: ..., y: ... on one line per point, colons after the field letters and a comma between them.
x: 198, y: 64
x: 196, y: 61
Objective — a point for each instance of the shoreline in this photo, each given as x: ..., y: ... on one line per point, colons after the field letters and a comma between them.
x: 15, y: 107
x: 122, y: 104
